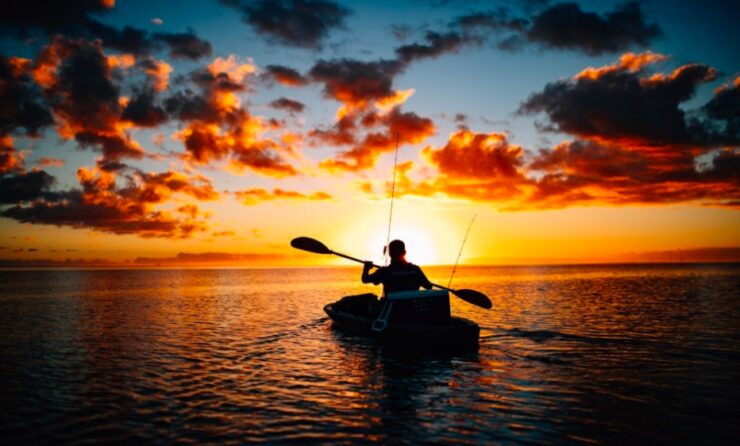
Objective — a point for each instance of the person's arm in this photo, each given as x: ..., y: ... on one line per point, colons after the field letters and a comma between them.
x: 425, y: 283
x: 366, y: 266
x: 374, y: 278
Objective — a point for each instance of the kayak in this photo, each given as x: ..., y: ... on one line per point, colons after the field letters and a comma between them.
x: 419, y: 319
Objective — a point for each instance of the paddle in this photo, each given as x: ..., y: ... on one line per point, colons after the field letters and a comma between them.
x: 312, y: 245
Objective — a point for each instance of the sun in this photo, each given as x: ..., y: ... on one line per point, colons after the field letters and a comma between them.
x: 420, y: 246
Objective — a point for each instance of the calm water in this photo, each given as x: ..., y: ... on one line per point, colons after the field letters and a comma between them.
x: 569, y: 355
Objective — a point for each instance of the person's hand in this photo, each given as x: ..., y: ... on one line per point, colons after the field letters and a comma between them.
x: 367, y: 264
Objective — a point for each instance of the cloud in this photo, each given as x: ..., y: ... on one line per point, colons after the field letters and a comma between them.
x: 102, y: 205
x: 472, y: 166
x: 565, y: 26
x: 223, y: 234
x: 76, y: 20
x: 24, y: 186
x: 384, y: 131
x: 296, y: 23
x: 113, y: 147
x: 479, y: 156
x: 436, y: 45
x: 355, y: 83
x: 22, y: 104
x: 218, y: 126
x: 585, y: 172
x: 159, y: 72
x: 159, y: 187
x: 621, y: 103
x: 488, y: 168
x: 214, y: 258
x: 143, y: 110
x: 496, y: 20
x: 288, y: 105
x: 49, y: 162
x: 25, y: 18
x: 370, y: 119
x: 10, y: 159
x: 724, y: 109
x: 285, y: 75
x: 81, y: 83
x: 250, y: 197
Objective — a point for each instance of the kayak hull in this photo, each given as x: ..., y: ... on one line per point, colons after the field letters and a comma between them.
x: 456, y: 334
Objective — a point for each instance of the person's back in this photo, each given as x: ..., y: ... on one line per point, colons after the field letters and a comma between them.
x: 400, y: 275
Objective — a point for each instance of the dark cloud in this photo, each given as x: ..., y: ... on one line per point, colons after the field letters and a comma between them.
x: 218, y: 127
x: 724, y: 109
x: 563, y: 26
x: 143, y: 110
x: 188, y: 106
x: 17, y: 187
x: 114, y: 147
x: 27, y: 17
x: 102, y: 205
x: 436, y: 44
x: 74, y: 19
x: 82, y: 91
x: 285, y: 75
x: 113, y: 216
x: 566, y: 26
x: 355, y: 82
x: 185, y: 45
x: 288, y: 105
x: 500, y: 19
x: 583, y: 172
x: 126, y: 40
x: 22, y: 104
x: 400, y: 31
x: 619, y: 103
x: 297, y: 23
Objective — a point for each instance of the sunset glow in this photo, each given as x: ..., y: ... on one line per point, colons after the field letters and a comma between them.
x: 213, y: 132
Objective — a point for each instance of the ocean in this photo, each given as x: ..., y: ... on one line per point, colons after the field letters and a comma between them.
x: 616, y: 354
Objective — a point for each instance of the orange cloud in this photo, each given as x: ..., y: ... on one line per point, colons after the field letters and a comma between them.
x: 9, y: 159
x: 103, y: 206
x: 159, y: 71
x: 630, y: 62
x: 486, y: 167
x: 395, y: 127
x: 250, y: 197
x: 231, y: 67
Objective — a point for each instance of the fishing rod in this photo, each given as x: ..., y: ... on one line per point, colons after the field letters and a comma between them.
x: 386, y: 254
x: 454, y: 268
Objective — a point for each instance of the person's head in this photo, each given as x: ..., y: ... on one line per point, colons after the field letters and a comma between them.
x: 396, y: 249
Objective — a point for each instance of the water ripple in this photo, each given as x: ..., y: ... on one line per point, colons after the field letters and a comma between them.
x: 570, y: 355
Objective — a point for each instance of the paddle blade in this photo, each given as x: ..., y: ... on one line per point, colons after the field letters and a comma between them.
x: 474, y: 297
x: 310, y: 245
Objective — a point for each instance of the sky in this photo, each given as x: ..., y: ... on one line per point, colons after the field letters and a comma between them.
x: 216, y: 131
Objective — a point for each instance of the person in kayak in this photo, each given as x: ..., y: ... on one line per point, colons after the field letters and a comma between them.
x: 400, y: 275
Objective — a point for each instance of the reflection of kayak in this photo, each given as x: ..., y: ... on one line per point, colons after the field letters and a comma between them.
x: 410, y: 318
